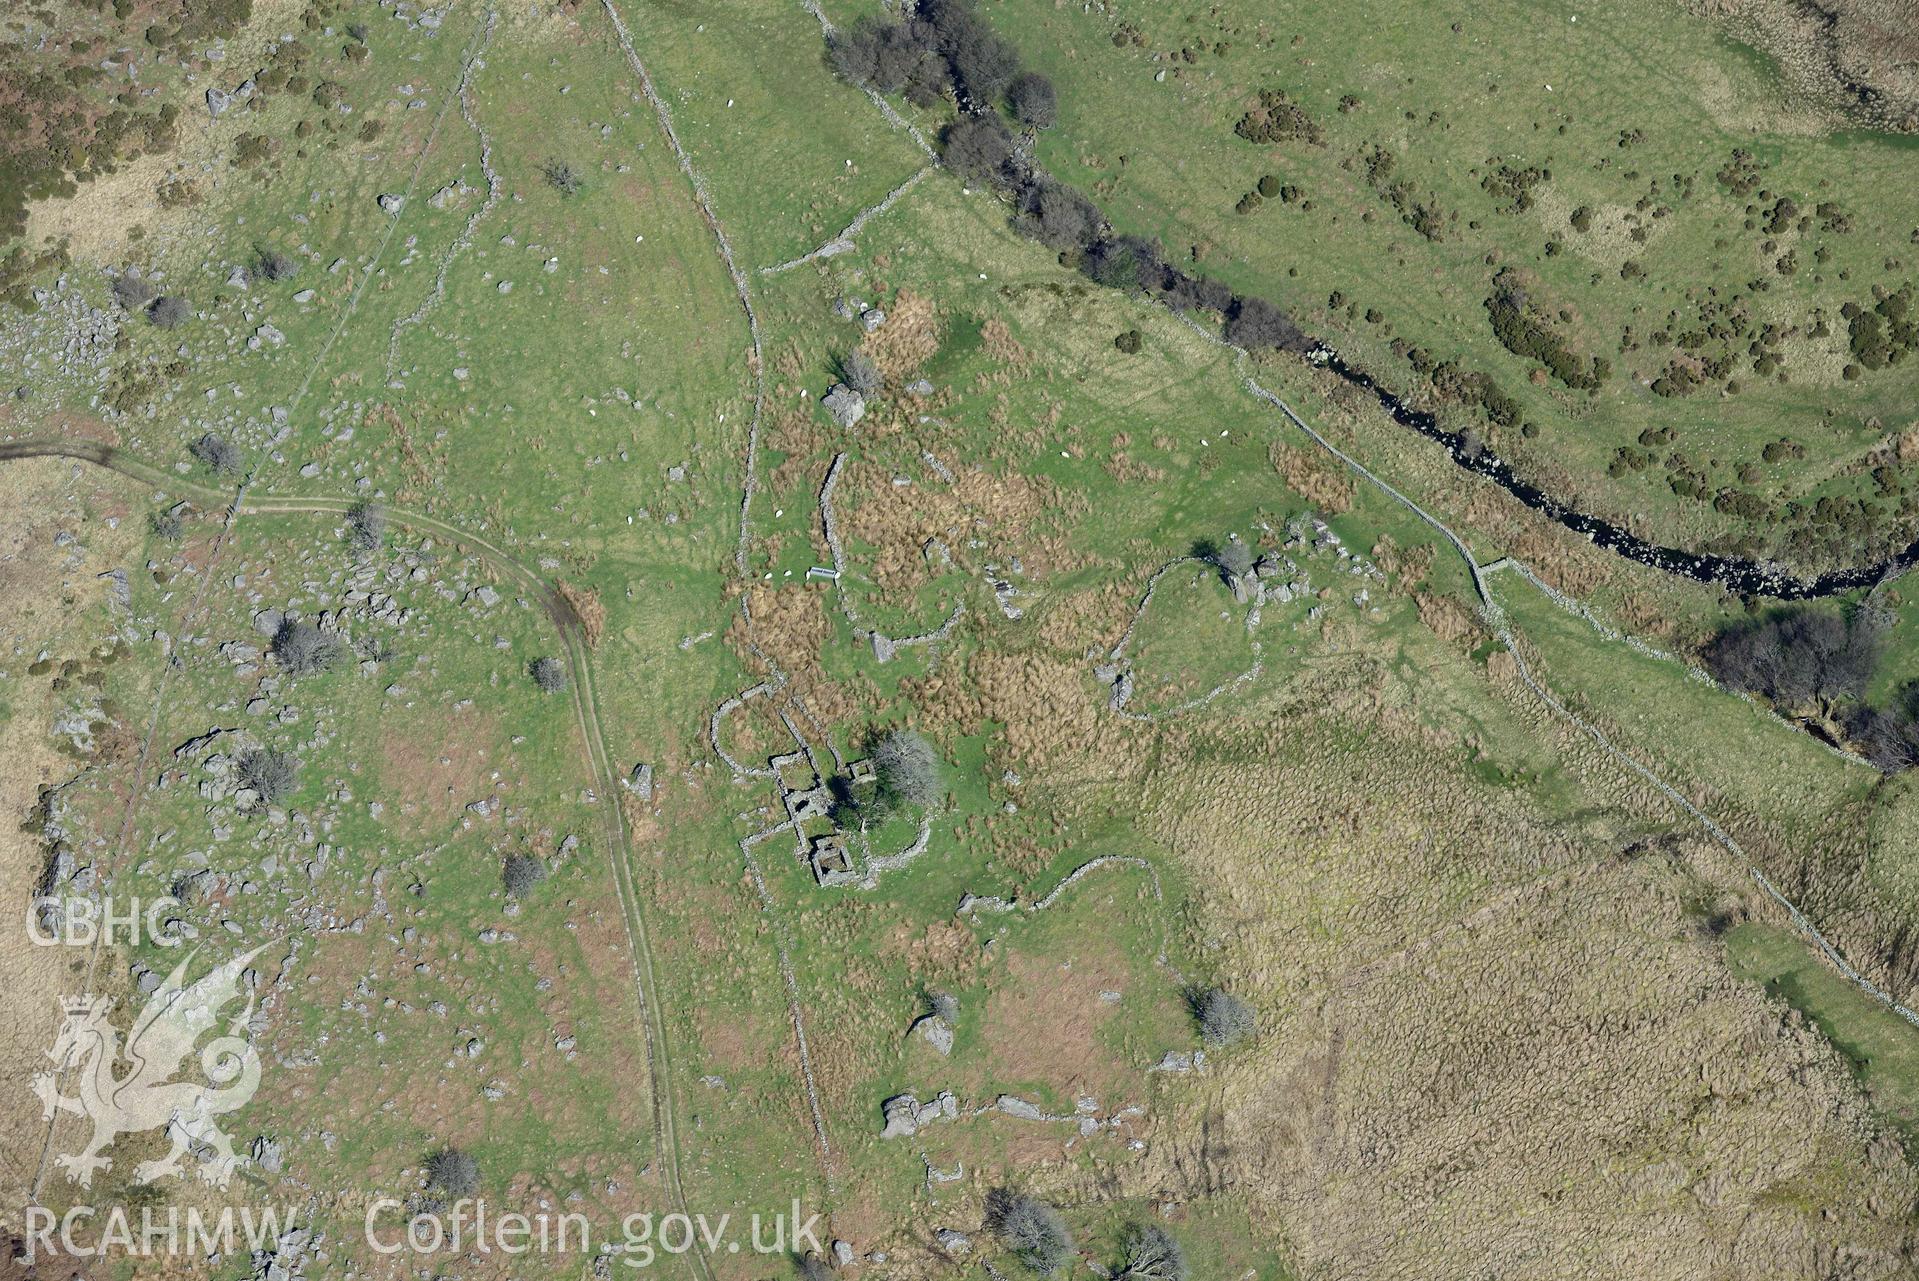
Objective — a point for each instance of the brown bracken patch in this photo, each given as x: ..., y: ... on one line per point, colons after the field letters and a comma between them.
x: 1043, y: 1024
x: 909, y: 337
x: 1314, y: 476
x: 586, y: 603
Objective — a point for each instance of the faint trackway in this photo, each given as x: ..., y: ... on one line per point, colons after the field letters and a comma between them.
x: 235, y: 505
x: 743, y: 289
x: 494, y: 189
x: 843, y: 243
x: 705, y: 203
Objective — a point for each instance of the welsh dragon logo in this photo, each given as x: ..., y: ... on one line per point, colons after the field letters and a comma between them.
x: 126, y: 1092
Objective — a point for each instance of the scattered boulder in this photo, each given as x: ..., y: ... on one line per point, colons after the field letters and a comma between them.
x: 845, y: 405
x: 1013, y: 1105
x: 906, y: 1115
x: 902, y: 1117
x: 640, y: 781
x: 266, y: 1154
x: 391, y: 203
x: 935, y: 1031
x: 1180, y: 1062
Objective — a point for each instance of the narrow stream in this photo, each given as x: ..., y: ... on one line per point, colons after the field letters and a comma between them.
x: 1745, y: 577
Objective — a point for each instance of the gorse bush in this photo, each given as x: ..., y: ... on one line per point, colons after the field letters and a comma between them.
x: 1526, y: 335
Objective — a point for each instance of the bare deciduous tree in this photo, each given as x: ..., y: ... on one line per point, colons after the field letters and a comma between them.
x: 132, y: 290
x: 170, y: 311
x: 548, y: 673
x: 980, y: 150
x: 1033, y: 101
x: 520, y: 873
x: 216, y: 453
x: 1234, y: 559
x: 302, y: 648
x: 907, y: 769
x: 1254, y: 323
x: 1889, y: 736
x: 1056, y: 215
x: 271, y: 264
x: 1152, y: 1255
x: 273, y: 774
x: 1806, y: 659
x: 366, y: 525
x: 1223, y: 1018
x: 1031, y: 1229
x: 453, y: 1171
x: 858, y: 371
